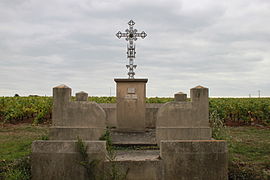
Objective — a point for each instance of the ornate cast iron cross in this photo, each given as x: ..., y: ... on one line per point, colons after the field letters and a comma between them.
x: 131, y: 35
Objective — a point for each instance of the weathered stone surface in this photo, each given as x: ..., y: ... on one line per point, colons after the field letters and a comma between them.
x: 200, y: 101
x: 67, y: 146
x: 137, y: 155
x: 75, y: 113
x: 71, y: 133
x: 81, y: 96
x: 180, y: 96
x: 184, y: 133
x: 151, y: 110
x: 130, y: 110
x: 85, y: 114
x: 181, y: 120
x: 147, y: 137
x: 110, y: 110
x: 75, y: 118
x: 59, y: 160
x: 194, y: 159
x: 47, y: 166
x: 138, y: 169
x: 61, y: 98
x: 176, y: 114
x: 151, y: 114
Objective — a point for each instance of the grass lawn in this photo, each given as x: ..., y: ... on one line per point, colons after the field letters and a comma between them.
x: 249, y: 153
x: 16, y: 140
x: 249, y: 149
x: 15, y: 146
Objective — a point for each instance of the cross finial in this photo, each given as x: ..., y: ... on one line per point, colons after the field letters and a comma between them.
x: 131, y: 35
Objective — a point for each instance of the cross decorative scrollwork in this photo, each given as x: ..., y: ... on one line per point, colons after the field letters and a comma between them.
x: 131, y: 35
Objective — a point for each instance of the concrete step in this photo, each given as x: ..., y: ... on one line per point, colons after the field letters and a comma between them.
x: 147, y: 137
x: 137, y: 164
x: 137, y: 155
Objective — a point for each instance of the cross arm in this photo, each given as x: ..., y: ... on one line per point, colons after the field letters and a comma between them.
x: 120, y: 34
x: 142, y: 34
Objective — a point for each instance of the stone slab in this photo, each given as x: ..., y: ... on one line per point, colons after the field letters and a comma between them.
x: 138, y: 170
x: 66, y: 146
x: 57, y: 166
x: 194, y: 159
x: 137, y: 155
x: 130, y: 80
x: 181, y: 133
x: 59, y: 160
x: 110, y: 110
x: 151, y: 114
x: 130, y: 110
x: 75, y: 113
x: 134, y: 138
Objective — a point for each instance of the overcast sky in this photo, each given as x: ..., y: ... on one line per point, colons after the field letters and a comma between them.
x: 222, y: 45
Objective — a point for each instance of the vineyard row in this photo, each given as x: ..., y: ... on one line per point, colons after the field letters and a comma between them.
x: 238, y: 111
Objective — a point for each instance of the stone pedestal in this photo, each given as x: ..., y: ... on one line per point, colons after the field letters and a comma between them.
x: 130, y: 108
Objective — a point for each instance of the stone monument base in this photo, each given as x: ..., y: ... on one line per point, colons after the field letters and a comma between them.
x: 60, y: 160
x: 130, y: 107
x: 184, y: 159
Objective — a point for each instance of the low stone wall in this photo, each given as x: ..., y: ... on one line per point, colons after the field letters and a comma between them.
x: 110, y: 110
x: 194, y: 159
x: 79, y: 118
x: 150, y: 114
x: 179, y: 159
x: 185, y: 120
x: 60, y: 160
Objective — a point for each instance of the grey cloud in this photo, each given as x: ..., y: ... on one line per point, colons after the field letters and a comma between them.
x: 223, y: 45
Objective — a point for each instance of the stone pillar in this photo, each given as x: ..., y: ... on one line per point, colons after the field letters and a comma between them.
x: 199, y: 97
x: 180, y: 96
x: 61, y: 98
x: 130, y: 108
x: 81, y: 96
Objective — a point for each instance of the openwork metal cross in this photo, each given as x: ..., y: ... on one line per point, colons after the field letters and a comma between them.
x: 131, y: 35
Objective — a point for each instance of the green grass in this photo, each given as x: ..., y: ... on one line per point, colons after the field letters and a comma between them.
x: 16, y: 140
x: 15, y: 148
x: 249, y: 153
x: 249, y: 150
